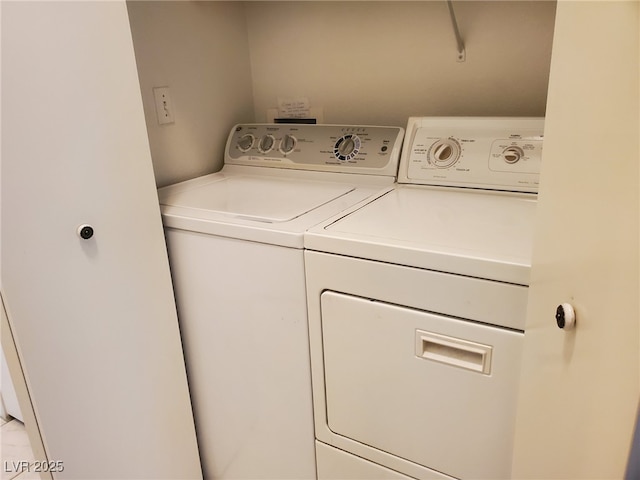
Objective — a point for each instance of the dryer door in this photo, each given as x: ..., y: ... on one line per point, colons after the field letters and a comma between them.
x: 434, y: 390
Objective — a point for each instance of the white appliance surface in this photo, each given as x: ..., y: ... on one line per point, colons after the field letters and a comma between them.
x: 468, y: 398
x: 495, y: 153
x: 274, y: 197
x: 417, y: 303
x: 477, y: 233
x: 336, y: 464
x: 242, y: 315
x: 258, y: 198
x: 433, y: 220
x: 235, y: 243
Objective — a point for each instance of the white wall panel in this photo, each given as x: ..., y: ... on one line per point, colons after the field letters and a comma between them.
x: 94, y: 320
x: 579, y: 389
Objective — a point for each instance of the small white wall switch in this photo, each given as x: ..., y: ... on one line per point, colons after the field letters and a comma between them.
x: 164, y: 107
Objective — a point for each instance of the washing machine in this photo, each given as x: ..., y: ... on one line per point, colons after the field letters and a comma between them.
x: 417, y: 303
x: 235, y: 242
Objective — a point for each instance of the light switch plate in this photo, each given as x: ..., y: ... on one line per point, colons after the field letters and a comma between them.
x: 164, y: 106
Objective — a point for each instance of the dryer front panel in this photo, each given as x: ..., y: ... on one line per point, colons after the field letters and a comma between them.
x: 435, y: 390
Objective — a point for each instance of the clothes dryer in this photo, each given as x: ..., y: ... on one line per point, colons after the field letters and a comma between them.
x: 235, y: 242
x: 417, y: 304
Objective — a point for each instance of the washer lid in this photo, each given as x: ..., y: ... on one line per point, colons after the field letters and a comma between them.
x: 260, y: 199
x: 480, y: 234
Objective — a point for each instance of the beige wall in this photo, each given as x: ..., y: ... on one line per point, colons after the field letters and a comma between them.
x: 361, y: 62
x: 381, y: 62
x: 200, y: 51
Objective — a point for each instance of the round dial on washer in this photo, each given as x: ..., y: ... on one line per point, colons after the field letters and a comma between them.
x: 347, y: 147
x: 444, y: 153
x: 266, y: 144
x: 287, y: 144
x: 245, y: 142
x: 512, y: 154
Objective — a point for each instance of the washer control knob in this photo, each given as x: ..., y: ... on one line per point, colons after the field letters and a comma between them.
x: 266, y: 144
x: 565, y: 316
x: 347, y: 147
x: 512, y: 154
x: 287, y: 144
x: 85, y: 232
x: 245, y: 142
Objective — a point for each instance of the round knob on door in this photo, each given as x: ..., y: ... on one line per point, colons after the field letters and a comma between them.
x: 565, y: 316
x: 85, y: 232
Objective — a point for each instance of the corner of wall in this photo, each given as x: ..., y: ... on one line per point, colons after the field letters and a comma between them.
x: 200, y: 51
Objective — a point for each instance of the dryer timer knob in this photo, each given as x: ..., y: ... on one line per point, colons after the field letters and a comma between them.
x: 512, y: 154
x: 444, y: 153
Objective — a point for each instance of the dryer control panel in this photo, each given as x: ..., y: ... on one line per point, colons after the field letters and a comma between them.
x: 500, y: 153
x: 331, y: 148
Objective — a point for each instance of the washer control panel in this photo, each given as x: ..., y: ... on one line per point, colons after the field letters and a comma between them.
x: 334, y: 148
x: 501, y: 153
